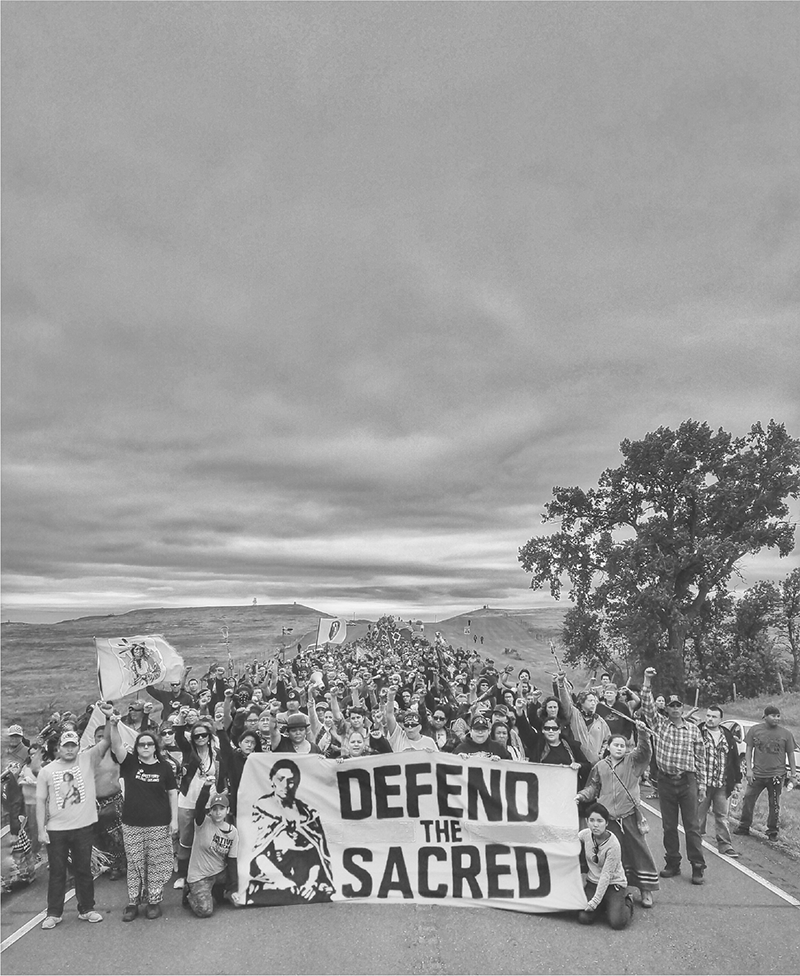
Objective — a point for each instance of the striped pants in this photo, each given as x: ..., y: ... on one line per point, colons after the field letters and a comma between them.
x: 149, y: 853
x: 637, y: 860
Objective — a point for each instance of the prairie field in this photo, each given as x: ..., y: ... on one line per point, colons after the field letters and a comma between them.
x: 54, y: 666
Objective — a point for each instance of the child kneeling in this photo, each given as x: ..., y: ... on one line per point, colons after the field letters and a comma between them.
x: 212, y: 874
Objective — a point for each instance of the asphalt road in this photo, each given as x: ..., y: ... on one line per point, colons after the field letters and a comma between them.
x: 732, y: 924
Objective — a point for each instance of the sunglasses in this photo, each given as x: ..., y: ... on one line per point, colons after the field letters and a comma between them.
x: 596, y: 854
x: 151, y: 745
x: 200, y: 736
x: 550, y: 728
x: 439, y: 718
x: 414, y: 721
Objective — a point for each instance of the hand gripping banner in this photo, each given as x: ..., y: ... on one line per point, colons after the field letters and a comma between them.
x: 423, y: 827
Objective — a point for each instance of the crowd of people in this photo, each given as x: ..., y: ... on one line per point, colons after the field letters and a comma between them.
x: 163, y: 809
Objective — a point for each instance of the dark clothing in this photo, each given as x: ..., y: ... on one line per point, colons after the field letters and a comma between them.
x: 147, y: 787
x: 733, y: 768
x: 752, y: 792
x: 378, y: 744
x: 169, y: 698
x: 617, y: 725
x: 286, y: 745
x: 486, y: 749
x: 678, y: 795
x: 77, y: 845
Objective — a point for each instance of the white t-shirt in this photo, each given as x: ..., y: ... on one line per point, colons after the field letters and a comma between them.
x: 69, y: 791
x: 400, y: 742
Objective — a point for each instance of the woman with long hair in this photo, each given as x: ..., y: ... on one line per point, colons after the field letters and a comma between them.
x: 149, y: 820
x: 605, y: 880
x: 614, y: 782
x: 500, y: 734
x: 200, y: 760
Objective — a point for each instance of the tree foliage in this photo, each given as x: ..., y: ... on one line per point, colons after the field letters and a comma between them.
x: 648, y: 551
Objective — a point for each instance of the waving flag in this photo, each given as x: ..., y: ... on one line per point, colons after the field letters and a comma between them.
x: 127, y: 664
x: 98, y: 721
x: 332, y: 631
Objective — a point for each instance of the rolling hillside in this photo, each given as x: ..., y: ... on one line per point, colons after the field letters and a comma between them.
x: 50, y: 665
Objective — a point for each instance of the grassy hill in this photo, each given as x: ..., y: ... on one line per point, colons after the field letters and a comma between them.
x: 50, y: 665
x: 54, y: 665
x: 528, y: 632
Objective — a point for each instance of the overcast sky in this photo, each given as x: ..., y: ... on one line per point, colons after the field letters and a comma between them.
x: 317, y: 302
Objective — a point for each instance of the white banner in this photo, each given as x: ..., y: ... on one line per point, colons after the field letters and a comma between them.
x: 332, y: 631
x: 406, y: 827
x: 127, y: 664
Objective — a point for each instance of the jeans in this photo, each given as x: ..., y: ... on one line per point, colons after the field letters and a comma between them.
x: 773, y: 786
x: 718, y: 801
x: 678, y: 795
x: 78, y: 844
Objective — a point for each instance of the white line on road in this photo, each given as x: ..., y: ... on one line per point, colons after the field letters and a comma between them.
x: 739, y: 867
x: 4, y: 831
x: 30, y: 924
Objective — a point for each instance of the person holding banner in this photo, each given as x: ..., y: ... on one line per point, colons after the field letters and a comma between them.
x: 605, y: 882
x: 149, y: 819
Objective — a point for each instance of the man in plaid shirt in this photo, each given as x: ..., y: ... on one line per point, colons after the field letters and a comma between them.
x: 680, y: 757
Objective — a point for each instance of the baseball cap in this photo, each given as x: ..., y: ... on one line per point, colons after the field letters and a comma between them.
x: 674, y: 701
x: 479, y: 722
x: 218, y: 800
x: 69, y: 736
x: 15, y: 730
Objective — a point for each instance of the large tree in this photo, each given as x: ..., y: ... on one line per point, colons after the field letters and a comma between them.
x: 659, y: 537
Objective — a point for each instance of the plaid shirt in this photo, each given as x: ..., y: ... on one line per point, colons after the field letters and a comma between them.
x: 678, y: 748
x: 716, y: 757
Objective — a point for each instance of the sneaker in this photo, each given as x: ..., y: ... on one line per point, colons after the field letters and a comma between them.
x: 647, y: 899
x: 670, y: 871
x: 130, y: 913
x: 90, y: 916
x: 697, y: 875
x: 153, y: 911
x: 730, y: 853
x: 51, y: 921
x: 179, y: 883
x: 772, y: 837
x: 744, y: 831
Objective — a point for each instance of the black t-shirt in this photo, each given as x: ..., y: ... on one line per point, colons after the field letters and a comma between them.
x: 379, y: 743
x: 485, y: 750
x: 147, y: 787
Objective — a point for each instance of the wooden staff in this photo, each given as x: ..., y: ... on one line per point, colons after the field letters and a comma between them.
x: 555, y: 656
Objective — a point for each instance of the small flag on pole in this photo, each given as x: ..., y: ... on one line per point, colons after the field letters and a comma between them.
x: 332, y: 631
x: 128, y: 664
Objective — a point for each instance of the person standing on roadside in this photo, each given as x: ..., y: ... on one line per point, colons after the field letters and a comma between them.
x: 722, y: 775
x: 770, y: 748
x: 67, y: 828
x: 681, y: 761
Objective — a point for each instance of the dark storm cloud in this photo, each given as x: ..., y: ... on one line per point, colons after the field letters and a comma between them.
x: 320, y: 301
